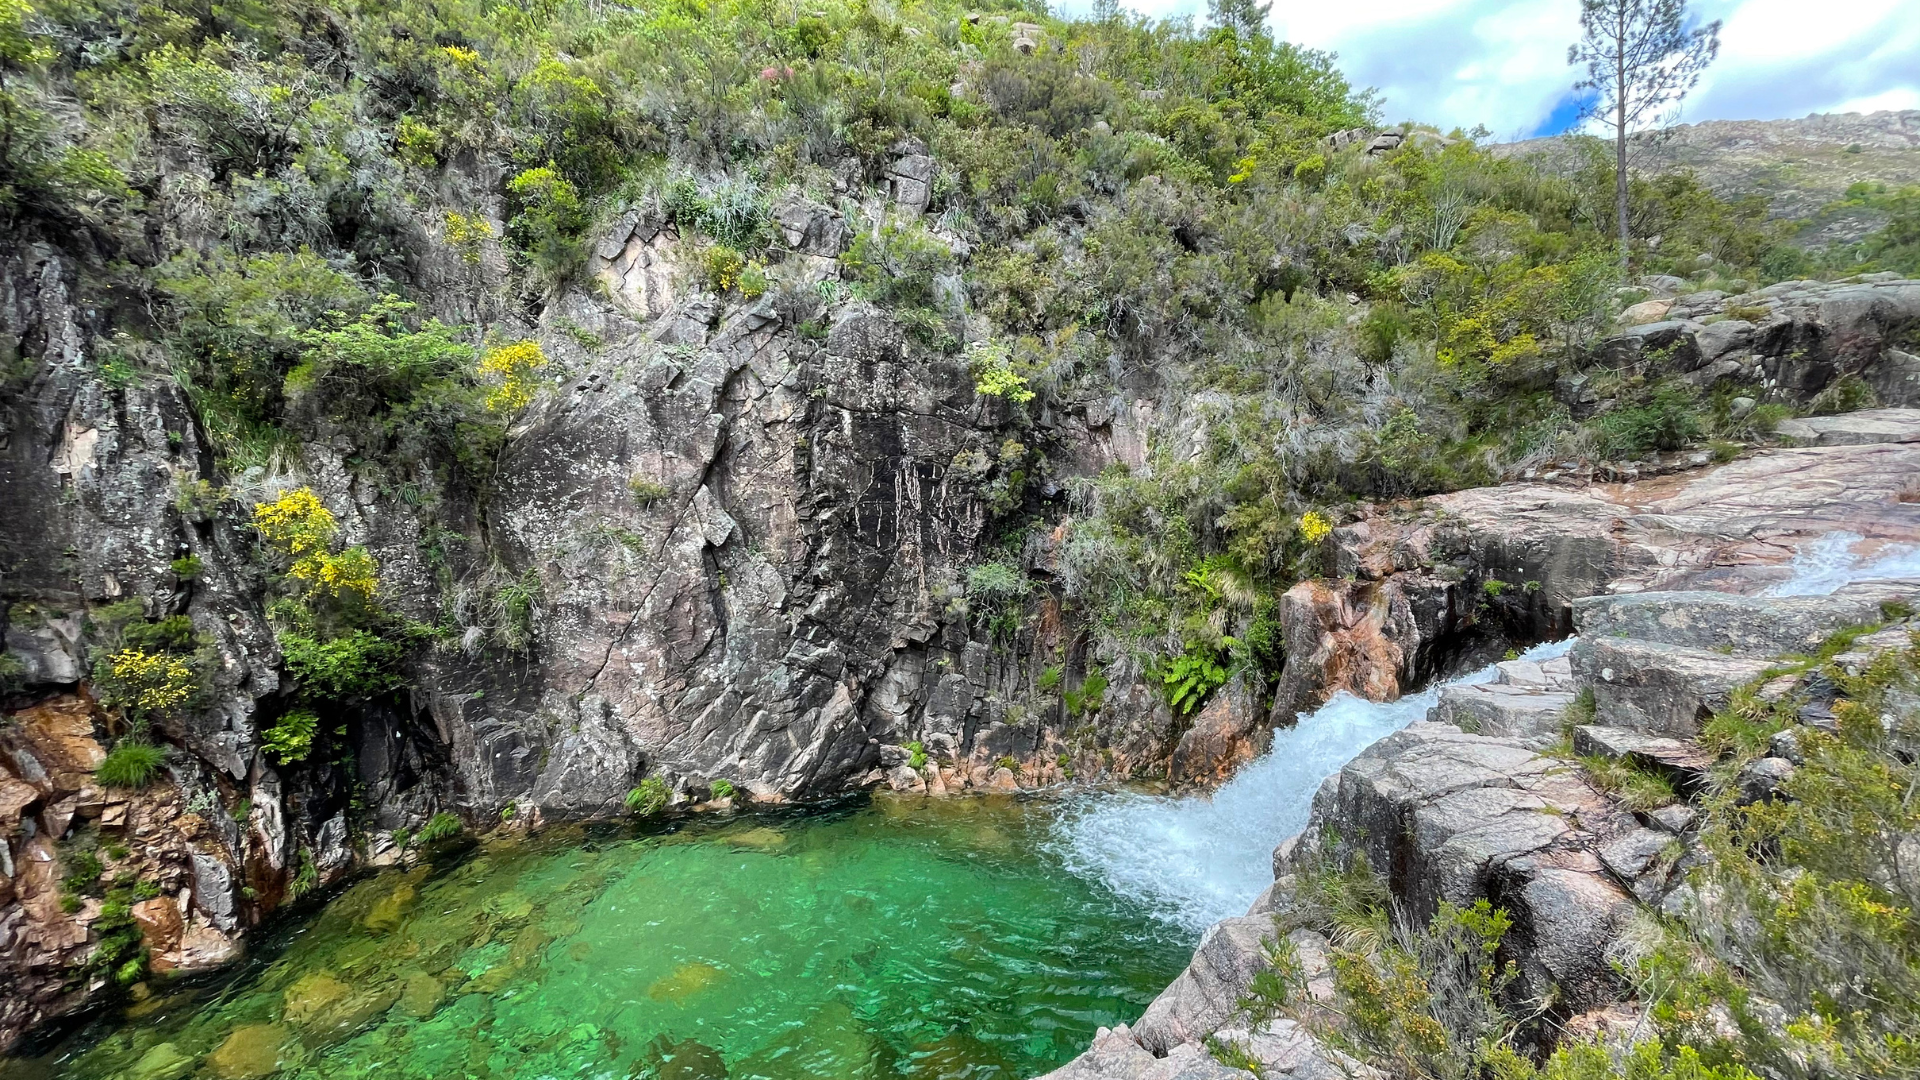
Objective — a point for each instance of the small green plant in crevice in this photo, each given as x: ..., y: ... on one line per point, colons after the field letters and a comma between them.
x: 916, y: 755
x: 439, y: 827
x: 1187, y: 679
x: 649, y: 797
x: 1580, y: 711
x: 1635, y: 788
x: 305, y: 879
x: 722, y: 789
x: 290, y: 738
x: 1089, y: 697
x: 1005, y: 761
x: 131, y: 764
x: 401, y: 837
x: 187, y: 568
x: 646, y: 490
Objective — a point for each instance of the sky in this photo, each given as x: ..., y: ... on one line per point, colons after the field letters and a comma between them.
x: 1503, y: 63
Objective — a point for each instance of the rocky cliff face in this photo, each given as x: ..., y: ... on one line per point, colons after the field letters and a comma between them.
x: 749, y: 531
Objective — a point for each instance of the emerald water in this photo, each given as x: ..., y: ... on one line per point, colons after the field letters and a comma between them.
x: 892, y: 938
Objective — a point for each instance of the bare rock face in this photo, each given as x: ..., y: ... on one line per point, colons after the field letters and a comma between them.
x: 1795, y: 338
x: 47, y: 756
x: 1448, y: 816
x: 1856, y: 429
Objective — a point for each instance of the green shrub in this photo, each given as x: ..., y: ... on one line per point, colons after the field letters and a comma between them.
x: 722, y: 789
x: 355, y: 665
x: 646, y: 490
x: 1668, y: 421
x: 1848, y: 393
x: 916, y: 755
x: 290, y: 738
x: 897, y: 265
x: 547, y: 223
x: 439, y: 827
x: 187, y: 568
x: 131, y: 764
x: 649, y: 797
x: 1189, y: 678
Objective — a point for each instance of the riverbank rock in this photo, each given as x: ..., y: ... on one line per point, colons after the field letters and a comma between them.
x: 1797, y: 338
x: 1431, y: 588
x: 1526, y: 701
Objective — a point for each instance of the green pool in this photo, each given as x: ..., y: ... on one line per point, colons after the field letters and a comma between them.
x: 892, y: 938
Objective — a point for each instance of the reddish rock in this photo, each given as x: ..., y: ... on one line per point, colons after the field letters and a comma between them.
x: 160, y: 924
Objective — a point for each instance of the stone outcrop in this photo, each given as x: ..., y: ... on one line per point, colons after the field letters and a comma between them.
x: 1526, y: 701
x: 1455, y: 579
x: 50, y: 913
x: 1794, y: 339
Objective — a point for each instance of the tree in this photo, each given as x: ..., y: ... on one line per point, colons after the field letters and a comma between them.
x: 1247, y: 18
x: 1640, y: 58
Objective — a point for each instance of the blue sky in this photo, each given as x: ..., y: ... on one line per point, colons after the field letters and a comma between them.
x: 1503, y: 63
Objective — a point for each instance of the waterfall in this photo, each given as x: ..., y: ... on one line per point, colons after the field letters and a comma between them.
x: 1195, y: 859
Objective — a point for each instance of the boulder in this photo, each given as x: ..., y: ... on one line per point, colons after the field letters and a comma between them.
x: 1285, y: 1049
x: 1854, y: 429
x: 1206, y: 996
x: 1447, y: 816
x: 160, y: 924
x: 1531, y: 714
x: 1115, y: 1055
x: 1760, y: 779
x: 1657, y: 688
x: 1894, y: 378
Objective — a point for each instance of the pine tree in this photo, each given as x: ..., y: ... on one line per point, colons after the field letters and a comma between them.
x: 1640, y: 58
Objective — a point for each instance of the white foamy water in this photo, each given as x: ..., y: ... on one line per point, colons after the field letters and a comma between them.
x: 1829, y: 563
x: 1197, y: 859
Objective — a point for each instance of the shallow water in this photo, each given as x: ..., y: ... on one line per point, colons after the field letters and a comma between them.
x: 888, y: 939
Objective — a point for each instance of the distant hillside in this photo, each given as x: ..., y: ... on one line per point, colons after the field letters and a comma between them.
x: 1802, y: 166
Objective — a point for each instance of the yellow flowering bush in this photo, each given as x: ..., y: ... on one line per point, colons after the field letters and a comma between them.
x: 297, y: 523
x: 303, y: 529
x: 514, y: 367
x: 1315, y: 526
x: 143, y: 683
x: 467, y: 233
x: 994, y: 374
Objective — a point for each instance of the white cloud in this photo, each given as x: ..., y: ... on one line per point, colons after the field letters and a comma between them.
x: 1502, y: 63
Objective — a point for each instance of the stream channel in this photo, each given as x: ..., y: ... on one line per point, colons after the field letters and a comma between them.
x: 977, y: 938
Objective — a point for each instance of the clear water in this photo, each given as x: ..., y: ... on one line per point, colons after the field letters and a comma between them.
x: 890, y: 939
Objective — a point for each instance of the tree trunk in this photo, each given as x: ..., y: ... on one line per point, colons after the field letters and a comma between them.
x: 1620, y: 135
